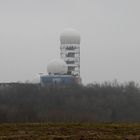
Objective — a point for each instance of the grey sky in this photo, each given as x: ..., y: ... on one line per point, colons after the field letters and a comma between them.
x: 110, y: 32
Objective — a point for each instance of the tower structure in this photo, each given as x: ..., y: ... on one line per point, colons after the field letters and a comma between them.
x: 70, y: 51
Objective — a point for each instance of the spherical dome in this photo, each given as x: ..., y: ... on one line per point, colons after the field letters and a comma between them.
x: 57, y: 66
x: 70, y: 36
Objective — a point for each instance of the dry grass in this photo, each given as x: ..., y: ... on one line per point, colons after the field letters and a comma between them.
x: 70, y: 131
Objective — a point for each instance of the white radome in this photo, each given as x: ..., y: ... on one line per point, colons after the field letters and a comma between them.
x: 70, y: 36
x: 57, y: 66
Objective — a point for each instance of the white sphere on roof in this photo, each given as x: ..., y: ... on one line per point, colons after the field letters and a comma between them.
x: 57, y: 66
x: 70, y: 36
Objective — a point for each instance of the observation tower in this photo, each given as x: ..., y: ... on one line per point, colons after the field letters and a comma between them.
x: 70, y: 51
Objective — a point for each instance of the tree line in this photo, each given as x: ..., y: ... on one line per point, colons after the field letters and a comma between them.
x: 106, y: 102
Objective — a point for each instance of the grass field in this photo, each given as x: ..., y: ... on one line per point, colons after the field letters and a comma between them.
x: 70, y: 131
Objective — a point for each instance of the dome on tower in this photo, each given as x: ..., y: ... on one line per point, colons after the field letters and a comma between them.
x: 57, y: 66
x: 70, y: 36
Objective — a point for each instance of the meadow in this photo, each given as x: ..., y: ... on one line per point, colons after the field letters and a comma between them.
x: 70, y: 131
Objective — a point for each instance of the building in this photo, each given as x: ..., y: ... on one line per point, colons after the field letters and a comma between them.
x: 70, y: 51
x: 57, y: 75
x: 66, y: 70
x: 57, y: 80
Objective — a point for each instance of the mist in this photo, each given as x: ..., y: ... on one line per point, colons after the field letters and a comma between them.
x: 109, y: 30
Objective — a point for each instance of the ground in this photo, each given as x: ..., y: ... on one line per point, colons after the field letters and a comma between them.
x: 70, y: 131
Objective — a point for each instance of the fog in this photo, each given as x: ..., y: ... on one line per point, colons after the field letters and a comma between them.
x: 109, y: 29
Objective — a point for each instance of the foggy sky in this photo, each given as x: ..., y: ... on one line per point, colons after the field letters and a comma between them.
x: 109, y: 29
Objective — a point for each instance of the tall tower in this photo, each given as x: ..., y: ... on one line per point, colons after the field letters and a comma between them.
x: 70, y: 51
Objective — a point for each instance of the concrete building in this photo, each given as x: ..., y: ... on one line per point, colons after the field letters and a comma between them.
x: 66, y: 70
x: 70, y: 51
x: 57, y: 74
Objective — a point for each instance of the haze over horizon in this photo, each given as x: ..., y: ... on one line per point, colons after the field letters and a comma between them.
x: 110, y: 44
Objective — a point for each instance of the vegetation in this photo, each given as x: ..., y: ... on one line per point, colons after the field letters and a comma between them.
x: 70, y: 131
x: 107, y: 102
